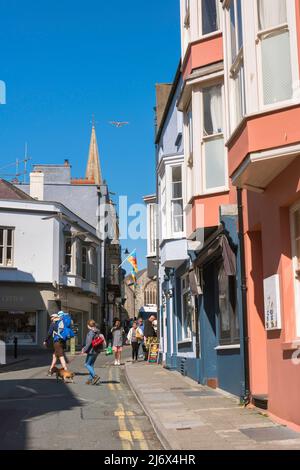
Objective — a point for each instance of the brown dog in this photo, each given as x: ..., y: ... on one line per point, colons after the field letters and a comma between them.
x: 65, y: 375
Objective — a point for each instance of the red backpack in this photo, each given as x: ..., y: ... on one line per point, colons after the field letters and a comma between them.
x: 97, y: 341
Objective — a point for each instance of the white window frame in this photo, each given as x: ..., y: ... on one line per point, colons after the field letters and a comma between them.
x: 295, y: 208
x: 93, y: 264
x: 163, y: 206
x: 189, y: 150
x: 205, y: 138
x: 152, y: 229
x: 172, y: 233
x: 234, y: 67
x: 4, y: 264
x: 217, y: 31
x: 291, y: 27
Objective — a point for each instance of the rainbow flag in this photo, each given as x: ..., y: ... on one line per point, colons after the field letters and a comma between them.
x: 133, y: 261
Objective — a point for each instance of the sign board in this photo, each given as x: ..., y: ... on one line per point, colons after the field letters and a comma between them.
x: 272, y: 303
x: 153, y: 353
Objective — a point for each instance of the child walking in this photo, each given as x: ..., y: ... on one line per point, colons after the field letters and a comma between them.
x: 117, y: 340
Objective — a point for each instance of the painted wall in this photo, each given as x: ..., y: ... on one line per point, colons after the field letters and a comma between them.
x: 204, y: 52
x: 34, y: 249
x: 272, y: 370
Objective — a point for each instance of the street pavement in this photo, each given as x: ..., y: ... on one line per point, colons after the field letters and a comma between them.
x: 188, y: 416
x: 38, y: 413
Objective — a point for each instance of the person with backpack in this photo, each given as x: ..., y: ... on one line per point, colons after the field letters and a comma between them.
x: 94, y: 344
x: 60, y: 331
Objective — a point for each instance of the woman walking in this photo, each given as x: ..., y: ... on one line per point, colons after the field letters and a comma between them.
x: 91, y: 351
x: 134, y: 338
x: 58, y: 344
x: 117, y: 340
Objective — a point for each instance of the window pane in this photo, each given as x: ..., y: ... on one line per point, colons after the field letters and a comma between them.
x: 1, y: 255
x: 9, y: 256
x: 177, y: 190
x: 190, y: 129
x: 240, y: 94
x: 213, y: 115
x: 177, y: 213
x: 240, y: 24
x: 215, y: 163
x: 176, y: 174
x: 233, y: 32
x: 9, y: 237
x: 1, y: 237
x: 277, y: 71
x: 209, y: 16
x: 271, y: 13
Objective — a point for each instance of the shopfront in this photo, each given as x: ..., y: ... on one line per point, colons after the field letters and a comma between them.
x: 23, y: 315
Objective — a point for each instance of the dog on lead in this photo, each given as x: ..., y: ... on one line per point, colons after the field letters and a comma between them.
x: 65, y: 375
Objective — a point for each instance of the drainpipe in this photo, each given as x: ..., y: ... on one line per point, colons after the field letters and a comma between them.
x: 246, y: 398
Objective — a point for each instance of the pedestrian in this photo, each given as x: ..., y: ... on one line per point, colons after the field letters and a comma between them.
x: 140, y: 323
x: 57, y: 343
x: 117, y: 340
x: 92, y: 352
x: 134, y: 338
x: 150, y: 335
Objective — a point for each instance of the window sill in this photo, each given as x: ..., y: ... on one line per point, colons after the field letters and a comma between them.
x: 9, y: 267
x: 185, y: 341
x: 227, y: 347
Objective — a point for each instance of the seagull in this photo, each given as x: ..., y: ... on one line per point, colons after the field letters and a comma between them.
x: 119, y: 123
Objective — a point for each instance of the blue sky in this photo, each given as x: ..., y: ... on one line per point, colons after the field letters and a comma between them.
x: 64, y: 60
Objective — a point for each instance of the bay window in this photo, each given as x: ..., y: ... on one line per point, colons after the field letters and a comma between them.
x: 163, y: 203
x: 273, y: 40
x: 177, y: 200
x: 210, y: 16
x: 238, y: 102
x: 214, y: 171
x: 6, y: 247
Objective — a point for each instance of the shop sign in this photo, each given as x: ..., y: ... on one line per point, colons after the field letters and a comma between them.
x: 16, y: 313
x: 272, y: 303
x: 153, y: 352
x: 11, y: 299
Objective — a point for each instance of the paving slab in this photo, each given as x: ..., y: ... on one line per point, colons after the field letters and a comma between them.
x: 188, y: 416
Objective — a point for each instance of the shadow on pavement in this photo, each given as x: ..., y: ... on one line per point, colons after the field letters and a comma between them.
x: 22, y: 400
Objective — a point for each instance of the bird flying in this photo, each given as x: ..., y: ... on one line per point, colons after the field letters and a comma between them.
x: 119, y: 123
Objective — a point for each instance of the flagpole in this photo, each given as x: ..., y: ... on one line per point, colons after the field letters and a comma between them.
x: 124, y: 261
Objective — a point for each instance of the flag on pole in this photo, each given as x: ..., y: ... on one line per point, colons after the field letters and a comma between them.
x: 133, y: 261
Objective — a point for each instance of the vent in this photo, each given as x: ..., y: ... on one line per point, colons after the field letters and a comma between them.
x: 182, y: 366
x: 260, y: 401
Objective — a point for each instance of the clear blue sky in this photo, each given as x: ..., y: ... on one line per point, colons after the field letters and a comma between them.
x: 64, y: 60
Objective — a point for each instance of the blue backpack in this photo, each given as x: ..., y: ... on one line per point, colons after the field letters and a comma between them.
x: 63, y: 328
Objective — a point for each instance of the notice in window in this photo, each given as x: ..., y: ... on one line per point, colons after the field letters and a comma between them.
x: 272, y: 303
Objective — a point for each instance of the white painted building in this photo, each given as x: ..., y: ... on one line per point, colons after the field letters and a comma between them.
x: 49, y: 259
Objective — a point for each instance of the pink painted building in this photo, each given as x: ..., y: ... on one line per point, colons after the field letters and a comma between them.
x: 262, y: 44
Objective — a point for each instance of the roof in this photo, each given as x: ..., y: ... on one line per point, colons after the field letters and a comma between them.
x: 9, y: 191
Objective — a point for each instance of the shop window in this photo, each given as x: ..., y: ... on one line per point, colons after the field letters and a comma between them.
x: 210, y: 16
x: 274, y: 35
x: 6, y: 246
x: 187, y: 309
x: 228, y: 314
x: 22, y: 325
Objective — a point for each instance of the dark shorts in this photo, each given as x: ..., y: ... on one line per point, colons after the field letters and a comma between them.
x: 58, y: 349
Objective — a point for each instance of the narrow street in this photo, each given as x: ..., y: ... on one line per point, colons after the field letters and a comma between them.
x: 38, y: 413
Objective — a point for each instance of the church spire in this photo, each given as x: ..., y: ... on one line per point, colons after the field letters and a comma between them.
x: 93, y: 170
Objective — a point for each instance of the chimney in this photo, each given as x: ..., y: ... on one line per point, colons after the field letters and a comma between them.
x: 37, y: 185
x: 66, y: 162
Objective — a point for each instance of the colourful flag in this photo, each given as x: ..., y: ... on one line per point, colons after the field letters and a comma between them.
x: 134, y: 278
x: 133, y: 261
